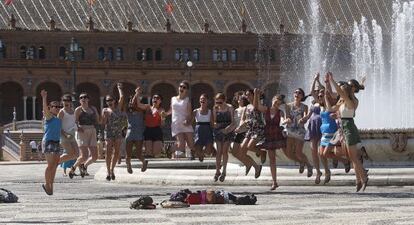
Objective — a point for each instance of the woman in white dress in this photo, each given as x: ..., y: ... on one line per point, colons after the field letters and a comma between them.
x: 181, y: 118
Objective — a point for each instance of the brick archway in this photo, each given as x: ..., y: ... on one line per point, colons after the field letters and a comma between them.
x: 93, y: 92
x: 233, y: 88
x: 197, y: 90
x: 11, y: 95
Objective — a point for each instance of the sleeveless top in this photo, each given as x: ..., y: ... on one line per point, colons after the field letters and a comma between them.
x: 116, y: 121
x: 68, y: 122
x: 200, y: 118
x: 179, y: 115
x: 87, y: 118
x: 152, y: 119
x: 52, y: 129
x: 346, y: 112
x: 223, y: 119
x: 295, y: 115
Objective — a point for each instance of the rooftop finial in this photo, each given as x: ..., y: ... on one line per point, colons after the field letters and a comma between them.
x: 12, y: 23
x: 91, y: 24
x: 282, y: 29
x: 206, y: 26
x: 52, y: 24
x: 129, y: 25
x: 168, y: 25
x: 244, y: 26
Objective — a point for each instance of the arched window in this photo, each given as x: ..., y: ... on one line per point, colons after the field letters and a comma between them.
x: 196, y: 55
x: 119, y: 54
x: 149, y: 54
x: 246, y: 55
x: 233, y: 56
x: 42, y: 52
x: 178, y: 54
x: 110, y: 54
x: 140, y: 54
x: 186, y: 54
x: 82, y: 53
x: 224, y: 55
x: 31, y: 53
x: 62, y: 53
x: 216, y: 55
x: 23, y: 52
x: 101, y: 54
x: 158, y: 55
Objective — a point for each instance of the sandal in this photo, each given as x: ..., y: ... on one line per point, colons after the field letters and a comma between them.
x: 301, y: 167
x: 144, y: 166
x: 248, y: 169
x: 47, y: 192
x: 222, y: 177
x: 327, y: 178
x: 216, y: 176
x: 82, y: 170
x: 318, y: 177
x: 335, y: 163
x: 263, y: 155
x: 358, y: 187
x: 129, y: 168
x: 108, y: 177
x: 347, y: 167
x: 71, y: 172
x: 258, y: 172
x: 365, y: 184
x: 310, y: 170
x: 274, y: 186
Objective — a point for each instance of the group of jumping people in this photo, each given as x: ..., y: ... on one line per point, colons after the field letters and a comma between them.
x: 245, y: 125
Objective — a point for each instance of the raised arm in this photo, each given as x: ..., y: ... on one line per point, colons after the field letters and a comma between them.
x: 312, y: 90
x: 121, y: 102
x: 342, y: 93
x: 256, y: 102
x: 137, y: 101
x: 45, y: 107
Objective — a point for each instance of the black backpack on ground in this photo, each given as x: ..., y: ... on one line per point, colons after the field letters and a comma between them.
x: 144, y: 202
x: 246, y: 200
x: 7, y: 196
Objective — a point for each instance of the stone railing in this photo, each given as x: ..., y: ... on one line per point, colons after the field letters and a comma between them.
x: 25, y: 125
x: 9, y: 143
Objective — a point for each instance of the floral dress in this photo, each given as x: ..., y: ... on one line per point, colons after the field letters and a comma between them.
x: 255, y: 123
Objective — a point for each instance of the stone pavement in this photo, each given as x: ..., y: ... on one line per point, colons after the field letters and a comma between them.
x: 186, y: 172
x: 89, y: 201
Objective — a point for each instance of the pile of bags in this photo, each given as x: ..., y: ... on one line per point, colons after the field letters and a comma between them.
x: 7, y: 196
x: 185, y: 198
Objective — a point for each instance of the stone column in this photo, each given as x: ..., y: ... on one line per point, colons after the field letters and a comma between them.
x: 33, y: 107
x: 1, y: 142
x: 102, y: 102
x: 22, y: 148
x: 24, y: 107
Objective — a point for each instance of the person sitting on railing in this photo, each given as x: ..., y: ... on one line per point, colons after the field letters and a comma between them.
x: 50, y: 141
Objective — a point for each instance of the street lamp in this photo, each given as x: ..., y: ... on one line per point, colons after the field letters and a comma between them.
x: 73, y: 51
x: 190, y: 65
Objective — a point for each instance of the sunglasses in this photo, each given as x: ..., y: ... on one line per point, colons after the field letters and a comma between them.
x: 56, y: 106
x: 219, y: 103
x: 109, y: 100
x: 320, y: 96
x: 156, y: 97
x: 67, y: 100
x: 183, y: 87
x: 83, y: 97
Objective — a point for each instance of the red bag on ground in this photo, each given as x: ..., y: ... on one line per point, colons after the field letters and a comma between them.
x: 193, y: 198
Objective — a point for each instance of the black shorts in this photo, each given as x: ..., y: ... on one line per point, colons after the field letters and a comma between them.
x: 239, y: 138
x: 34, y: 150
x: 153, y: 134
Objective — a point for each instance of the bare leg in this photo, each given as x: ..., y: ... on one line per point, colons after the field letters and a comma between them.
x: 50, y: 172
x: 218, y: 157
x: 148, y: 148
x: 290, y: 149
x: 128, y: 149
x: 72, y: 152
x: 358, y: 167
x: 108, y: 155
x: 190, y: 142
x: 117, y: 149
x: 94, y: 156
x: 272, y: 164
x: 180, y: 143
x: 83, y: 156
x: 225, y: 153
x: 156, y: 148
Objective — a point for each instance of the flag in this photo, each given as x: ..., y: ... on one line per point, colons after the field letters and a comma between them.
x: 8, y: 2
x: 169, y: 8
x: 91, y: 2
